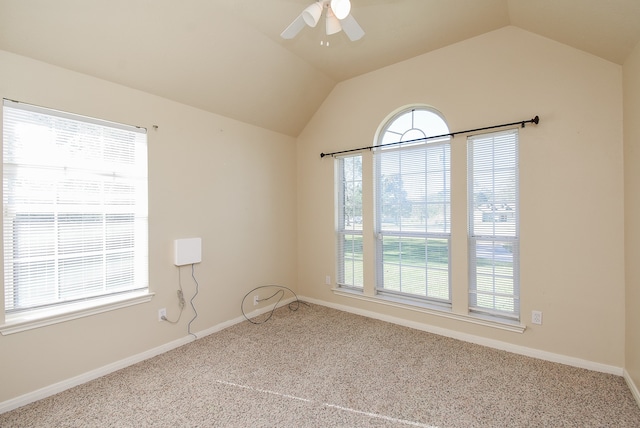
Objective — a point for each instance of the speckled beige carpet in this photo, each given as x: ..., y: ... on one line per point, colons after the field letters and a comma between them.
x: 318, y: 367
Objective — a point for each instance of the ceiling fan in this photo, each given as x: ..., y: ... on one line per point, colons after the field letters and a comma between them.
x: 338, y: 18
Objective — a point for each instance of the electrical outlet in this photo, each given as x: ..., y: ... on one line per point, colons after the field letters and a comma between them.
x: 162, y: 313
x: 536, y: 317
x: 255, y: 300
x: 327, y: 279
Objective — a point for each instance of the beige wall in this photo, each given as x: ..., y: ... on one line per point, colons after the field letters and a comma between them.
x: 632, y: 212
x: 243, y: 190
x: 230, y: 183
x: 571, y: 181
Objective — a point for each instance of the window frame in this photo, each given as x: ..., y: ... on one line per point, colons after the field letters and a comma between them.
x: 491, y: 241
x: 418, y: 141
x: 128, y: 288
x: 343, y: 232
x: 457, y: 309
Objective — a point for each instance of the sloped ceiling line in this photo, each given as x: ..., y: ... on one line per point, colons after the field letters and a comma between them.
x: 227, y: 56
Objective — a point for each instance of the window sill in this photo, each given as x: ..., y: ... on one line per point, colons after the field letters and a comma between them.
x: 426, y: 308
x: 50, y: 316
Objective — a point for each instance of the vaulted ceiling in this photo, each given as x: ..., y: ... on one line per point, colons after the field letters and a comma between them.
x: 227, y: 56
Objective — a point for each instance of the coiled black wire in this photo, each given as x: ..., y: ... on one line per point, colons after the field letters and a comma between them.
x: 280, y: 293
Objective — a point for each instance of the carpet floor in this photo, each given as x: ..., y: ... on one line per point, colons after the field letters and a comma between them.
x: 319, y: 367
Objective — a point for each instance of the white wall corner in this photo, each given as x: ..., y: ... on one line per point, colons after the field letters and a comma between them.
x: 632, y: 386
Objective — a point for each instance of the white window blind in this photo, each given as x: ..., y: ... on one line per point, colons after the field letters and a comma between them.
x: 494, y: 224
x: 414, y: 212
x: 75, y: 207
x: 349, y: 231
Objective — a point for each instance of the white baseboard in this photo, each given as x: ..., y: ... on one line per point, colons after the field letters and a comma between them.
x: 632, y: 386
x: 496, y: 344
x: 58, y: 387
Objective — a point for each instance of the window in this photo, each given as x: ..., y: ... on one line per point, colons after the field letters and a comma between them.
x: 412, y: 264
x: 350, y: 269
x: 412, y: 202
x: 493, y: 224
x: 75, y: 208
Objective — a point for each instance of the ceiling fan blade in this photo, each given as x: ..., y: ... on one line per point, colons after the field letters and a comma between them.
x: 294, y: 28
x: 351, y: 28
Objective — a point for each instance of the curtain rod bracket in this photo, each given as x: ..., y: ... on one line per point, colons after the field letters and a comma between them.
x: 535, y: 120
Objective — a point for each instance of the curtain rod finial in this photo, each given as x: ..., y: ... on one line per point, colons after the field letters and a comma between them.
x: 536, y: 120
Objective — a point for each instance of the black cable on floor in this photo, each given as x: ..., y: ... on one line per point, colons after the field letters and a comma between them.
x: 280, y: 292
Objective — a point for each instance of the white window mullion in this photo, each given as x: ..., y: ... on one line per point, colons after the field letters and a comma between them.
x: 56, y: 246
x: 104, y: 252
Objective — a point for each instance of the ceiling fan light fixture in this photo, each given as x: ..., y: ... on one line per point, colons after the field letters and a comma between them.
x: 340, y: 8
x: 311, y: 14
x: 333, y: 24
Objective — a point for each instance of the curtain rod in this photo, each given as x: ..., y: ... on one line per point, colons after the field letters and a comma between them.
x: 535, y: 120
